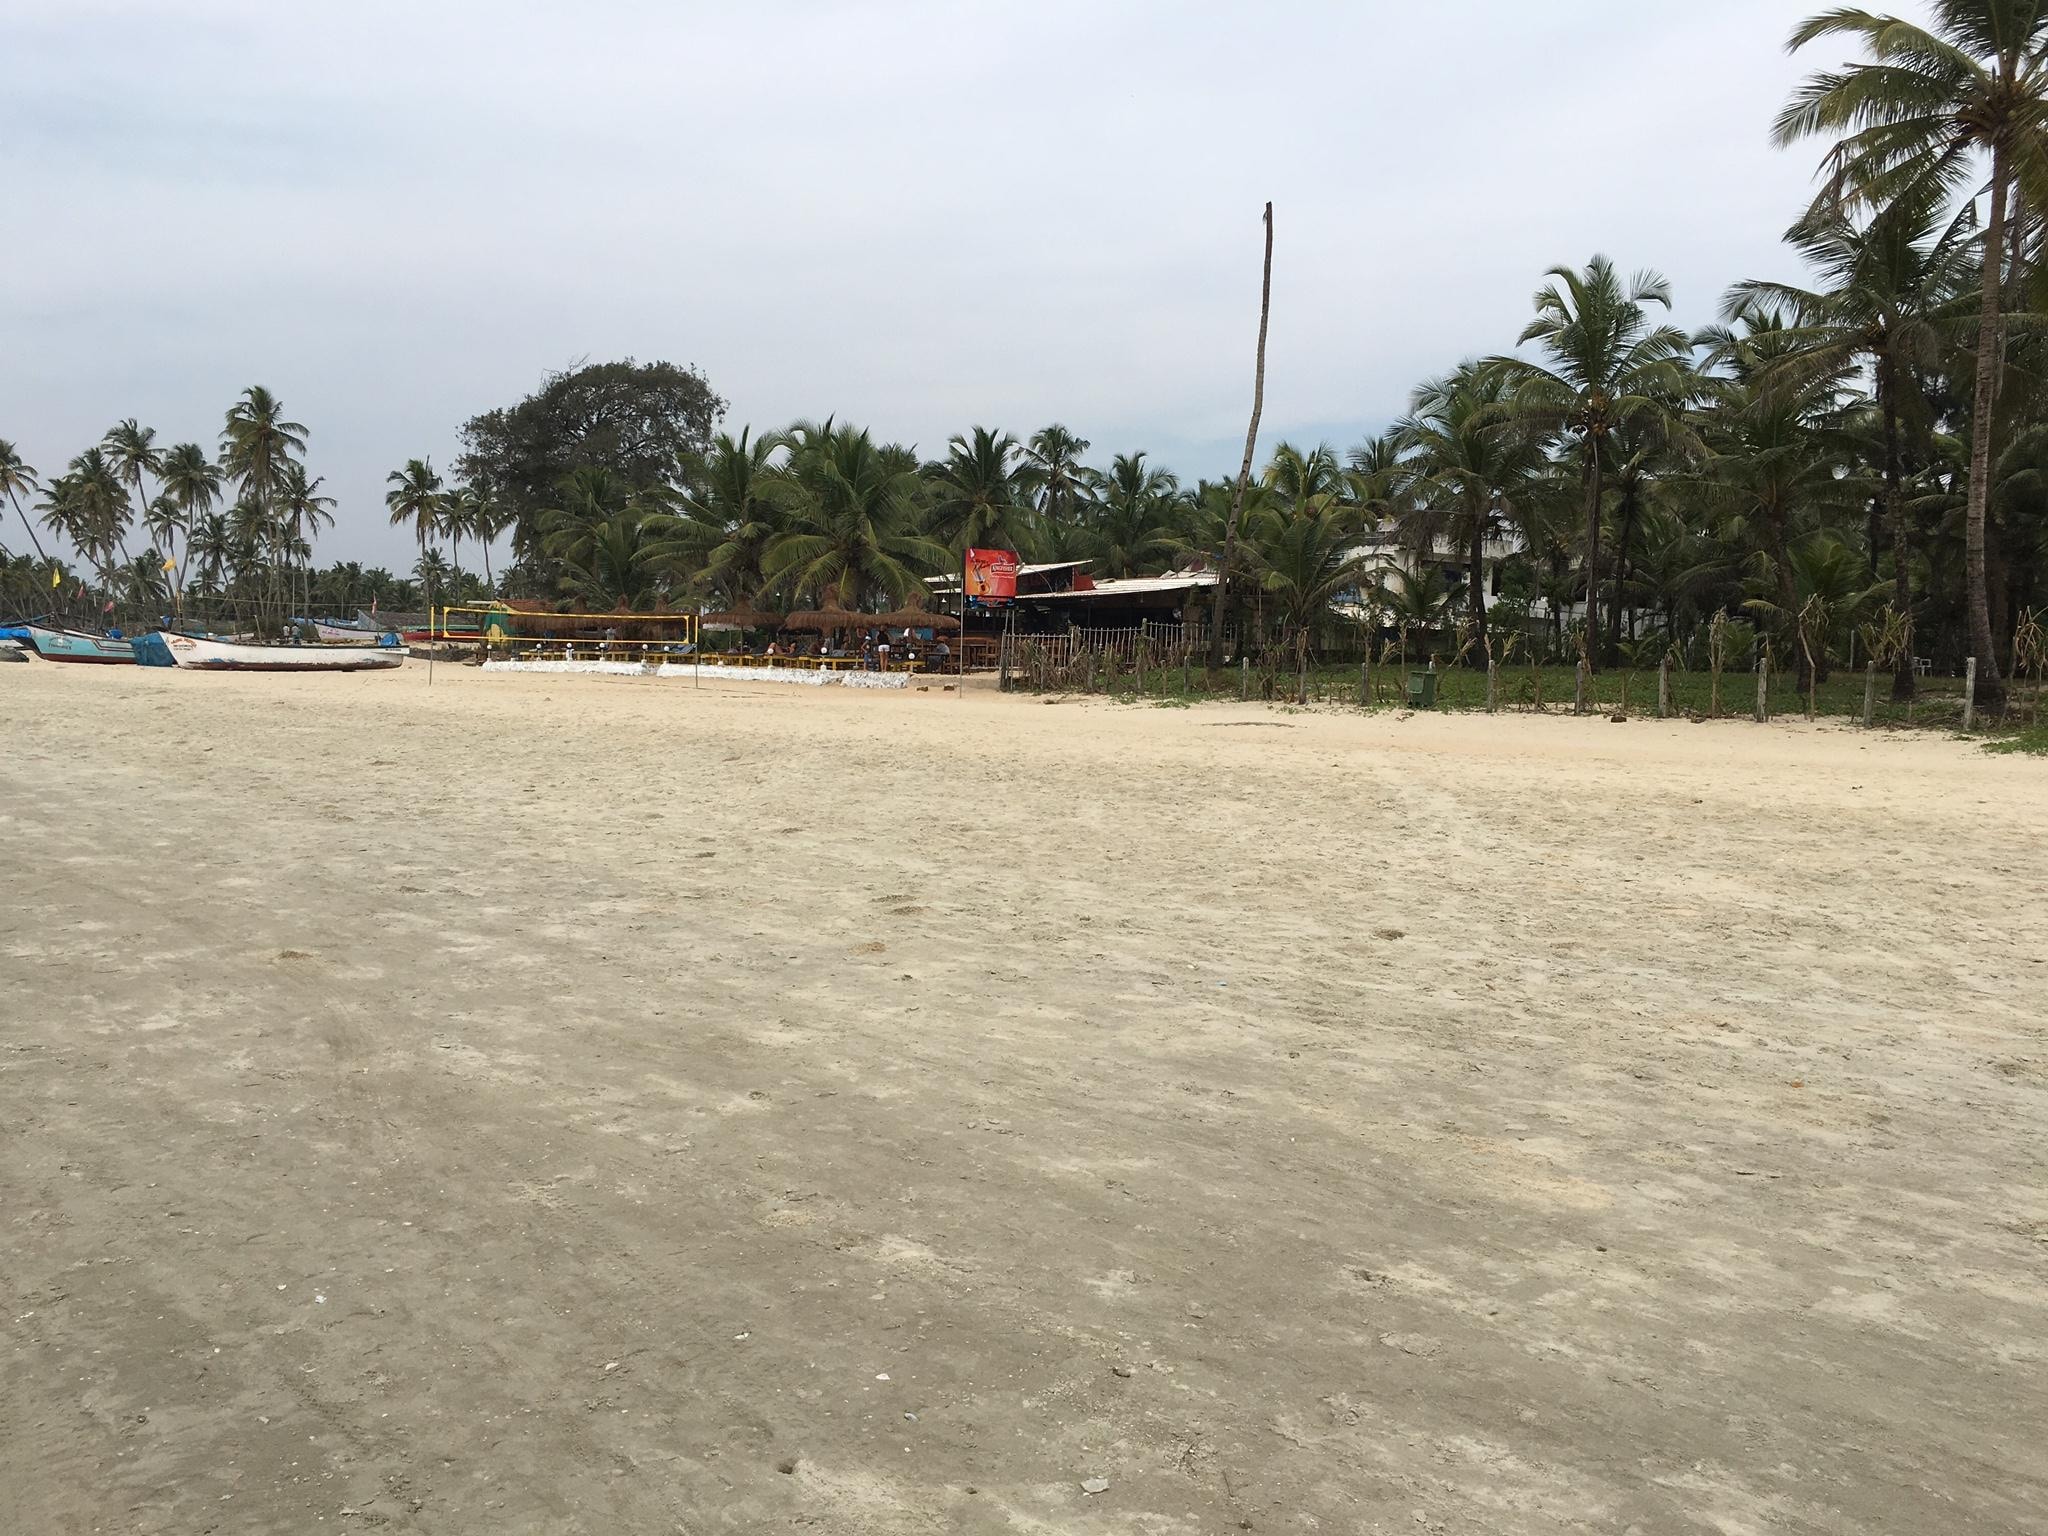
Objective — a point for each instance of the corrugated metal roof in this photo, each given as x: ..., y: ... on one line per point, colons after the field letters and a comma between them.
x: 1129, y: 586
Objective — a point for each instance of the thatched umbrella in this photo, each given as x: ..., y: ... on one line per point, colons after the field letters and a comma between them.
x: 825, y: 621
x: 742, y: 618
x: 918, y: 618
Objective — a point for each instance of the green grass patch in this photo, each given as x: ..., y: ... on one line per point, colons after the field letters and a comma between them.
x: 2033, y: 740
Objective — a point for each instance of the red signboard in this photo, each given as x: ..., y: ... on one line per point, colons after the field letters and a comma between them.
x: 991, y: 577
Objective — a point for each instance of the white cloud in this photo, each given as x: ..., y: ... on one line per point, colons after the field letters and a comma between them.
x: 919, y: 216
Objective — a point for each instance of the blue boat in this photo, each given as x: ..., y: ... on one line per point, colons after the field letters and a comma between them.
x: 151, y: 651
x: 77, y: 645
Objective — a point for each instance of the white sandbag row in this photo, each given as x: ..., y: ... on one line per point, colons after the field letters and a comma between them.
x: 807, y: 677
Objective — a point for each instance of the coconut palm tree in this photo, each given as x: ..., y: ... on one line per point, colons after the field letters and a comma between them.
x: 452, y: 521
x: 256, y: 443
x: 1888, y: 288
x: 192, y: 484
x: 977, y: 500
x: 1050, y: 473
x: 209, y: 548
x: 415, y: 498
x: 1306, y: 482
x: 141, y: 581
x: 1609, y: 364
x: 301, y: 513
x: 1134, y: 523
x: 486, y: 517
x: 1302, y: 558
x: 1467, y: 461
x: 849, y: 534
x: 431, y: 572
x: 1775, y: 446
x: 1936, y: 110
x: 133, y: 449
x: 89, y: 506
x: 16, y: 481
x: 730, y: 503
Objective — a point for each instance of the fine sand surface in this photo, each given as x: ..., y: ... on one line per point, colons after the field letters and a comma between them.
x: 600, y: 1105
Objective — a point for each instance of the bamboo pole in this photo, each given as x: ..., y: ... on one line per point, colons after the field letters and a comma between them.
x: 1664, y: 688
x: 1579, y: 689
x: 1970, y: 693
x: 1763, y: 686
x: 1869, y: 694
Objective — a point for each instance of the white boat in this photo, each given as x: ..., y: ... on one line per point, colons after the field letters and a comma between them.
x: 344, y: 634
x: 244, y: 656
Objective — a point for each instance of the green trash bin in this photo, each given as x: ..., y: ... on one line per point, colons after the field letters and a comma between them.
x: 1422, y: 690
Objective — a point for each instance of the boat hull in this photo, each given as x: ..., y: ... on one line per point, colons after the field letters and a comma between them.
x: 202, y: 655
x: 71, y: 645
x: 344, y: 634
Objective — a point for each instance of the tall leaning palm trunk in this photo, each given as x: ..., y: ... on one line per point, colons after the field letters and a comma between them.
x: 1990, y: 686
x: 1904, y: 682
x: 1244, y: 474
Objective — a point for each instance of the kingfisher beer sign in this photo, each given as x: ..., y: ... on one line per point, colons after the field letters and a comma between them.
x: 991, y: 578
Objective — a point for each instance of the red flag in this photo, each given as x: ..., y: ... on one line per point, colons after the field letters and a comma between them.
x: 110, y: 606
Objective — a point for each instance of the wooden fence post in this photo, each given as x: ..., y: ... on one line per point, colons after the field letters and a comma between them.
x: 1492, y: 685
x: 1969, y: 693
x: 1365, y: 685
x: 1244, y: 678
x: 1869, y: 694
x: 1579, y: 691
x: 1664, y: 689
x: 1763, y: 686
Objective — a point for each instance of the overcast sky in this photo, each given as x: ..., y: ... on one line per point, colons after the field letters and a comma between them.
x: 920, y: 216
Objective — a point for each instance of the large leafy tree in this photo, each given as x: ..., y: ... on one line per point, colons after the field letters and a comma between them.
x: 643, y: 422
x: 1608, y: 363
x: 1956, y: 105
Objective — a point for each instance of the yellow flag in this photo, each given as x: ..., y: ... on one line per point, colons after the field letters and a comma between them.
x: 56, y: 578
x: 170, y: 565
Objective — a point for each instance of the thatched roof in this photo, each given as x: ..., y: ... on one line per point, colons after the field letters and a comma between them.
x: 743, y: 618
x: 825, y: 621
x: 918, y: 618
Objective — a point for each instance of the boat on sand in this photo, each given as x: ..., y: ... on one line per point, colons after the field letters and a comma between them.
x: 208, y: 655
x: 78, y: 645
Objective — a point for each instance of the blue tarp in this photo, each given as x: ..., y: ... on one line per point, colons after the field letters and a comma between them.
x: 150, y: 651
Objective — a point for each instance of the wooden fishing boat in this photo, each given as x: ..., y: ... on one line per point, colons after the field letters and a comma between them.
x: 77, y: 645
x: 205, y: 655
x: 344, y: 634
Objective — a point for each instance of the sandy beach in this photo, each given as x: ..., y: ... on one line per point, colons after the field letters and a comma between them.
x: 531, y: 1104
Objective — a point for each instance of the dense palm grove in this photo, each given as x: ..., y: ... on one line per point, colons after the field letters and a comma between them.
x: 1856, y: 465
